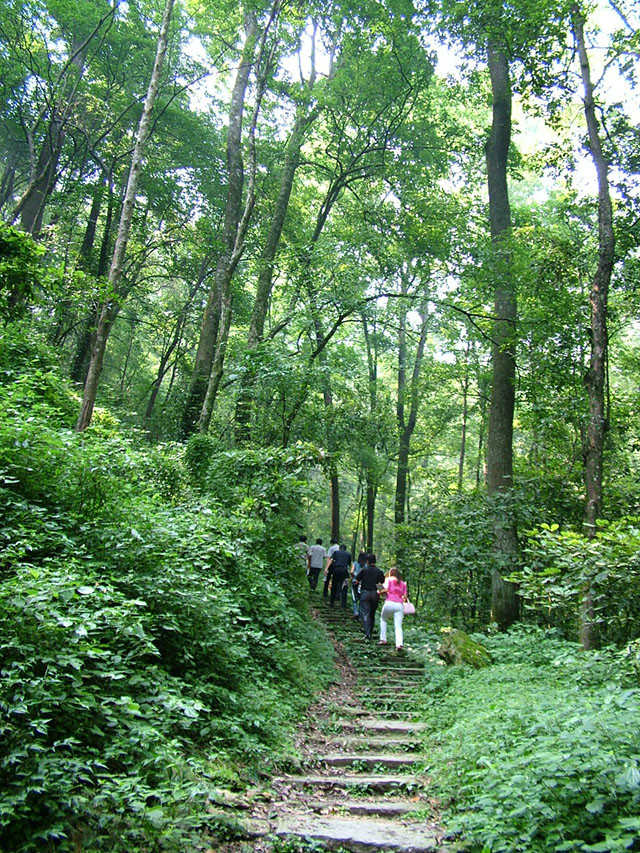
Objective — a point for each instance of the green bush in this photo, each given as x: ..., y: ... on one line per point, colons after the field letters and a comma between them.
x: 559, y: 565
x: 152, y: 647
x: 541, y: 751
x: 19, y: 270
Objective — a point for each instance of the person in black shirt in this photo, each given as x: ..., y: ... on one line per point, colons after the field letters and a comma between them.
x: 333, y: 547
x: 339, y: 565
x: 369, y: 579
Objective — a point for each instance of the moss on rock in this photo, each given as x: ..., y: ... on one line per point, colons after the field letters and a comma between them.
x: 458, y: 648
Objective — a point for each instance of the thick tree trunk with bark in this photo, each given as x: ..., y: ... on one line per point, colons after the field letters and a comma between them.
x: 105, y: 319
x: 31, y: 205
x: 596, y: 377
x: 504, y: 601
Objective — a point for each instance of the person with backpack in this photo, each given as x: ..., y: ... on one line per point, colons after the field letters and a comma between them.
x: 333, y: 547
x: 357, y: 567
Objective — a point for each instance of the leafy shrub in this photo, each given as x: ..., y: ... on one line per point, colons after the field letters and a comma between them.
x: 152, y: 646
x: 560, y: 564
x: 540, y: 751
x: 19, y: 270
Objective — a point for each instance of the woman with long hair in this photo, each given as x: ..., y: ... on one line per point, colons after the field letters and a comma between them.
x: 393, y: 606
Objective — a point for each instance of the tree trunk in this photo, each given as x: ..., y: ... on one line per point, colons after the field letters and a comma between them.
x: 504, y: 601
x: 244, y: 404
x: 31, y: 205
x: 371, y: 511
x: 463, y: 432
x: 117, y: 264
x: 406, y: 424
x: 89, y: 238
x: 596, y: 377
x: 217, y: 316
x: 176, y: 337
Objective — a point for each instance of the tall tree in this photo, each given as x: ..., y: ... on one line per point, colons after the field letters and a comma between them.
x: 105, y: 320
x: 45, y: 126
x: 217, y: 314
x: 504, y: 602
x: 596, y: 377
x: 408, y: 395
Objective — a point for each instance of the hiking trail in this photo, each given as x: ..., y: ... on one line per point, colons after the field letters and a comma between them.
x: 361, y: 786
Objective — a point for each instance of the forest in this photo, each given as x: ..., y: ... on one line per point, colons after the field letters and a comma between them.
x: 364, y: 270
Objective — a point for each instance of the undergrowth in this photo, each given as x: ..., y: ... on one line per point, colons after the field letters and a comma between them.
x: 541, y: 750
x: 153, y: 648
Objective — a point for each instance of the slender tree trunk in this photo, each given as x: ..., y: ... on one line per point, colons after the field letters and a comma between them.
x: 245, y: 400
x: 105, y: 243
x: 89, y: 238
x: 465, y: 418
x: 217, y: 315
x: 117, y: 264
x: 370, y: 475
x: 372, y: 494
x: 406, y: 423
x: 596, y: 377
x: 504, y: 601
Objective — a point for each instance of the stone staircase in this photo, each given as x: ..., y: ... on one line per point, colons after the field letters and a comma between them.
x: 365, y: 790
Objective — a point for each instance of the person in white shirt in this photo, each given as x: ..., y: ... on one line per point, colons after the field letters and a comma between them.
x: 316, y: 556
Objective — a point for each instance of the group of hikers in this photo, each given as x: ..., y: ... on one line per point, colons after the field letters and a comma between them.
x: 361, y: 577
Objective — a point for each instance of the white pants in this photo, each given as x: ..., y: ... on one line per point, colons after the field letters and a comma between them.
x: 397, y: 609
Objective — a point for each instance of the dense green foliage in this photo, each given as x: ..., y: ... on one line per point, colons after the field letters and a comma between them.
x: 309, y: 265
x: 539, y: 752
x: 155, y: 642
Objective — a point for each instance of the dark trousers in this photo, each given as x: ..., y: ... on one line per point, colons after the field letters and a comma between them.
x: 368, y: 605
x: 327, y: 581
x: 343, y: 594
x: 314, y: 574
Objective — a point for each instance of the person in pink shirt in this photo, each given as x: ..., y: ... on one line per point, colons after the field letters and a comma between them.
x: 396, y: 590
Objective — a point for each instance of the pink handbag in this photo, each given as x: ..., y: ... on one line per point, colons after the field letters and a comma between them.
x: 408, y: 608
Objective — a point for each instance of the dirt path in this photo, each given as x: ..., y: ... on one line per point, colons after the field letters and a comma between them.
x: 363, y: 788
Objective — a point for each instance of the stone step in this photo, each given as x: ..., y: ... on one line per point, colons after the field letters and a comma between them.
x: 388, y: 697
x: 386, y: 725
x: 389, y: 760
x: 390, y: 671
x: 391, y: 714
x: 382, y: 808
x: 366, y: 741
x: 378, y: 782
x: 359, y: 834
